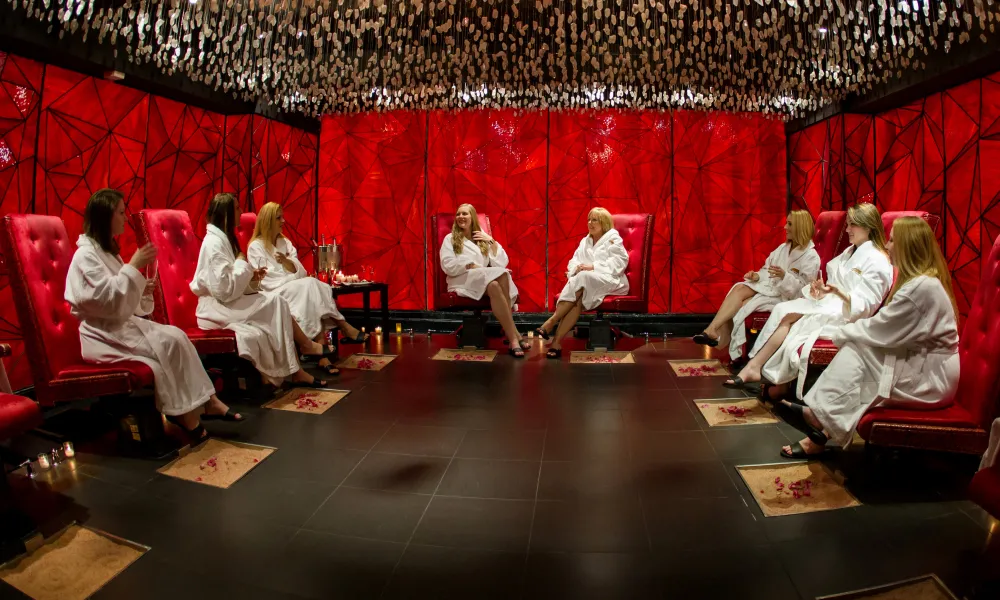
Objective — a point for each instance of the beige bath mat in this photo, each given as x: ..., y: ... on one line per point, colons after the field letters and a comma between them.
x: 928, y: 587
x: 219, y: 463
x: 366, y: 362
x: 594, y: 358
x: 73, y: 564
x: 720, y: 412
x: 465, y: 355
x: 305, y: 400
x: 698, y: 368
x: 795, y: 488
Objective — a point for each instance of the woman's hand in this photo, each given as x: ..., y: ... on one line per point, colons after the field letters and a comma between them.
x: 479, y: 236
x: 832, y: 289
x: 817, y: 289
x: 240, y: 257
x: 471, y: 266
x: 776, y: 272
x: 285, y: 262
x: 143, y: 257
x: 752, y: 276
x: 580, y: 268
x: 150, y: 287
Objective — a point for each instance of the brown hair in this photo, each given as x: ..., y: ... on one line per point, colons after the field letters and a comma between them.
x: 97, y: 218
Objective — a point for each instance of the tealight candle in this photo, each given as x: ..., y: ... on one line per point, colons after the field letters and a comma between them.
x: 68, y: 450
x: 43, y: 461
x: 378, y: 330
x: 399, y: 328
x: 362, y: 330
x: 531, y: 334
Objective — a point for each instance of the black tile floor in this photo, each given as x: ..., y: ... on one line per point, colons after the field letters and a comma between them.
x: 520, y: 479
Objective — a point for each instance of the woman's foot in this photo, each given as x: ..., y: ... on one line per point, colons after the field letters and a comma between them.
x: 314, y: 349
x: 217, y: 409
x: 802, y: 448
x: 544, y: 331
x: 706, y: 339
x: 190, y: 424
x: 516, y: 351
x: 327, y: 366
x: 748, y: 374
x: 524, y: 344
x: 303, y: 378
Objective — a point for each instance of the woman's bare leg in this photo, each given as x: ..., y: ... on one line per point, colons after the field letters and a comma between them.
x: 214, y: 406
x: 306, y: 346
x: 734, y: 301
x: 809, y: 446
x: 562, y: 309
x: 751, y: 372
x: 347, y: 329
x: 569, y: 320
x: 505, y: 286
x: 501, y: 310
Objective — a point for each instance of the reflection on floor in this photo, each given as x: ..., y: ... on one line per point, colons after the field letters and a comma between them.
x: 514, y: 478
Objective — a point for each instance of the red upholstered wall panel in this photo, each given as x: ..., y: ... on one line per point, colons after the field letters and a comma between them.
x: 910, y: 157
x: 371, y: 198
x: 92, y: 135
x: 20, y: 98
x: 858, y: 158
x: 620, y: 160
x: 183, y: 158
x: 730, y: 200
x: 496, y: 161
x: 809, y: 168
x: 283, y: 170
x: 237, y: 155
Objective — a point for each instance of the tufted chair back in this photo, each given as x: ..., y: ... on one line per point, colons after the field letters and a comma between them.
x: 177, y: 256
x: 38, y: 252
x: 441, y: 226
x: 979, y: 347
x: 830, y: 238
x: 244, y: 232
x: 889, y: 217
x: 637, y: 236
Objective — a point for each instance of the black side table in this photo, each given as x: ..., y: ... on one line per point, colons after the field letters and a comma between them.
x: 367, y: 289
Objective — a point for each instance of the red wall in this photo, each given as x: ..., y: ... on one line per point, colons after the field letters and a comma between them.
x: 91, y: 133
x: 537, y: 173
x: 937, y: 154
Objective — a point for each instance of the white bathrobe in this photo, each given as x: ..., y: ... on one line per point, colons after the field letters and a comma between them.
x: 801, y: 266
x: 993, y: 450
x: 309, y: 299
x: 262, y: 322
x: 107, y: 295
x: 471, y: 283
x: 863, y: 274
x: 906, y: 356
x: 609, y: 258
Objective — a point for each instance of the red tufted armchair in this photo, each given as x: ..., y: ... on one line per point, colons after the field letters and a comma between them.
x: 471, y: 332
x: 38, y: 254
x: 830, y: 241
x: 244, y: 232
x: 177, y: 256
x: 964, y: 425
x: 17, y: 413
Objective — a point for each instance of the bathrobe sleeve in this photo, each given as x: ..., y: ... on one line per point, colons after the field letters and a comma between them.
x: 226, y: 280
x: 792, y: 283
x: 579, y: 257
x: 501, y: 259
x: 613, y: 260
x: 453, y: 265
x: 94, y: 292
x: 869, y: 289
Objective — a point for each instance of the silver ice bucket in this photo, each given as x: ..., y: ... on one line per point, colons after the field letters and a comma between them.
x: 328, y: 257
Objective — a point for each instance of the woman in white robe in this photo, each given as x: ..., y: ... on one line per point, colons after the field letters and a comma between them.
x: 228, y: 298
x: 476, y: 265
x: 309, y: 299
x: 596, y: 270
x: 905, y: 356
x: 789, y: 268
x: 109, y: 297
x: 860, y: 278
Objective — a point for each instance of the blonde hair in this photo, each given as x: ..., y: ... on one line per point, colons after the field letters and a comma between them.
x: 458, y: 238
x: 604, y: 217
x: 866, y: 215
x: 266, y: 228
x: 803, y: 228
x: 915, y: 253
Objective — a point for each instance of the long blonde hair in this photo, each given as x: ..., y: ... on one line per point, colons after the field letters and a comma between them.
x: 266, y: 228
x: 803, y: 228
x: 458, y: 238
x: 867, y: 216
x: 916, y: 252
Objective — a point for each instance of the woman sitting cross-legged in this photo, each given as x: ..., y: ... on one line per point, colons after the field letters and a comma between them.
x: 858, y: 281
x: 597, y: 270
x: 905, y: 356
x: 309, y: 299
x: 476, y: 265
x: 786, y: 271
x: 227, y: 288
x: 109, y: 296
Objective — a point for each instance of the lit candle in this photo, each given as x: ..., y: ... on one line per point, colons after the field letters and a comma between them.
x: 362, y: 330
x: 43, y: 461
x: 68, y: 450
x: 531, y: 334
x: 399, y: 328
x: 378, y: 330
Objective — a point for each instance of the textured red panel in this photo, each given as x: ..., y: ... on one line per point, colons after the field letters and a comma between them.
x: 92, y: 134
x: 910, y: 161
x: 835, y: 139
x: 183, y: 158
x: 20, y: 97
x: 729, y: 188
x: 809, y: 168
x: 620, y: 160
x: 237, y: 154
x: 496, y: 161
x: 989, y: 154
x: 285, y: 172
x: 859, y: 158
x: 371, y: 199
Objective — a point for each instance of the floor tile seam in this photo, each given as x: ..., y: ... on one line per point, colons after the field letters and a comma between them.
x: 538, y: 484
x: 385, y: 587
x: 116, y: 484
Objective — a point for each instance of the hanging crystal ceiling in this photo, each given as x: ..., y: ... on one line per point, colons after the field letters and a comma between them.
x: 322, y: 56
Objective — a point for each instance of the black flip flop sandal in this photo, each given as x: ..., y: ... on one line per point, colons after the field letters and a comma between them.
x: 737, y: 384
x: 553, y: 353
x: 198, y: 434
x: 316, y: 383
x: 516, y: 351
x: 799, y: 453
x: 361, y: 338
x: 541, y: 333
x: 703, y: 339
x: 794, y: 415
x: 231, y: 415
